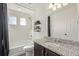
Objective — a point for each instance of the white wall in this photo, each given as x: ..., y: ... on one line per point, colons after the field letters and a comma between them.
x: 40, y: 14
x: 19, y: 35
x: 78, y: 19
x: 62, y: 21
x: 37, y: 11
x: 65, y: 21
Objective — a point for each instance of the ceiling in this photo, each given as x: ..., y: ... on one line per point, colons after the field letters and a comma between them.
x: 33, y: 6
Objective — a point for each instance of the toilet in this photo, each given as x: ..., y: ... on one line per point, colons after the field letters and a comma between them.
x: 29, y: 50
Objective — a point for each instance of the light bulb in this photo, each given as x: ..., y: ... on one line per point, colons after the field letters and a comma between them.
x: 64, y: 4
x: 56, y: 4
x: 59, y: 6
x: 54, y: 8
x: 50, y: 5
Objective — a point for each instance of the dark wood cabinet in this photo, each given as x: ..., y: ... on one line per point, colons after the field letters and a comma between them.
x: 50, y: 53
x: 42, y: 51
x: 38, y: 50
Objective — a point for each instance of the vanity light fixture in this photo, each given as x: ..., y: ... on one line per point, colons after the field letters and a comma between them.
x: 54, y: 6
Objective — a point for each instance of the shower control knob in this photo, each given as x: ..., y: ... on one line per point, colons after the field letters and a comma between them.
x: 65, y: 34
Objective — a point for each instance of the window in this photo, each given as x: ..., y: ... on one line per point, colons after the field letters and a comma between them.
x: 12, y: 20
x: 22, y: 21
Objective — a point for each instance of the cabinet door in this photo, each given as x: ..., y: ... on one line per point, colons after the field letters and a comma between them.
x: 38, y: 50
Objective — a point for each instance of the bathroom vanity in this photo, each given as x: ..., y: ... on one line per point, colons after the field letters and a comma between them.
x: 42, y: 51
x: 46, y: 47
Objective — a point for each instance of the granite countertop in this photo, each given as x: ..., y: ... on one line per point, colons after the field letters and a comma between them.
x: 62, y: 47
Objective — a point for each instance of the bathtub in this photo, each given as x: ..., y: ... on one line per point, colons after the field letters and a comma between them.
x: 23, y: 50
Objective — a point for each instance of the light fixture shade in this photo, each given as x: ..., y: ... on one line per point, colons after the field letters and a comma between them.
x: 54, y: 6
